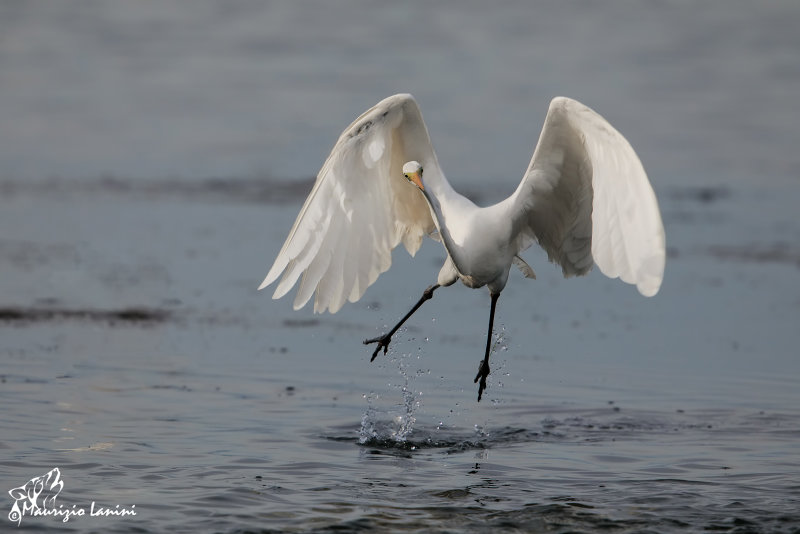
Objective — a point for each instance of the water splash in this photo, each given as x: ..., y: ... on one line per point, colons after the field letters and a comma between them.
x: 401, y: 419
x: 499, y: 345
x: 395, y: 424
x: 368, y: 430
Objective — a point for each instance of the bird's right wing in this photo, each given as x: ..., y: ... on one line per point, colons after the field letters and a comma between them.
x: 586, y: 200
x: 360, y: 209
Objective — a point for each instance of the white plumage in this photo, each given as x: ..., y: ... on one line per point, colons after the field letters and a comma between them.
x: 360, y: 209
x: 584, y: 198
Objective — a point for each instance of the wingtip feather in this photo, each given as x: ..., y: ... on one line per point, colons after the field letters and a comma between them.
x: 275, y: 271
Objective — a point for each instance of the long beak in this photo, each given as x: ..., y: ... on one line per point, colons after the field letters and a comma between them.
x: 414, y: 177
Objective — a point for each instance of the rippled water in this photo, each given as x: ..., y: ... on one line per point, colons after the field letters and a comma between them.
x: 138, y: 359
x: 210, y: 408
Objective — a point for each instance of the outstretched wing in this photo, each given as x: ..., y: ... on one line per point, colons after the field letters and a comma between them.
x: 586, y: 200
x: 360, y: 209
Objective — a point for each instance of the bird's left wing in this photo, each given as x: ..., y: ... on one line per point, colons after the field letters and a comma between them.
x: 360, y: 209
x: 586, y: 200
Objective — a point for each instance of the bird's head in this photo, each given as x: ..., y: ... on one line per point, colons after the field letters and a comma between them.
x: 413, y: 173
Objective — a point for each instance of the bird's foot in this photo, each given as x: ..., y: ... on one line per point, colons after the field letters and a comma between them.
x: 483, y: 372
x: 382, y: 341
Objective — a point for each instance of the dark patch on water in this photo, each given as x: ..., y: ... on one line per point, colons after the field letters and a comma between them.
x: 758, y: 252
x: 384, y: 438
x: 301, y: 323
x: 257, y: 190
x: 703, y: 194
x: 383, y: 445
x: 124, y: 316
x: 695, y: 205
x: 532, y: 517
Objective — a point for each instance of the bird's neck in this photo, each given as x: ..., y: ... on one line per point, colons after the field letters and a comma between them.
x: 442, y: 199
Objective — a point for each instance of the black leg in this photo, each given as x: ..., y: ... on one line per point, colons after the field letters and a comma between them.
x: 483, y: 371
x: 383, y: 340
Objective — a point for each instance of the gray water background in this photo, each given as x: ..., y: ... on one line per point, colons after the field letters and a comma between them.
x: 154, y: 155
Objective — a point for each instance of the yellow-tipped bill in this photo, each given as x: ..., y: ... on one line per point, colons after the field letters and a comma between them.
x: 415, y: 179
x: 412, y: 170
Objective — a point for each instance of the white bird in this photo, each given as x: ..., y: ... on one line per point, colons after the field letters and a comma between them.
x: 585, y: 199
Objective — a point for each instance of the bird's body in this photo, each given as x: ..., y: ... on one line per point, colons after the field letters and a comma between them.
x: 584, y: 198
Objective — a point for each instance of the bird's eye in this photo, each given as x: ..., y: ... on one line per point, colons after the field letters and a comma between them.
x: 406, y: 175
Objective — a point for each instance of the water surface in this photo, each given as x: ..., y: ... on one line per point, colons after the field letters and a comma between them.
x: 153, y: 159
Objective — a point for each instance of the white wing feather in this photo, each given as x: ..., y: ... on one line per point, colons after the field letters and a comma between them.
x: 586, y: 200
x: 360, y: 209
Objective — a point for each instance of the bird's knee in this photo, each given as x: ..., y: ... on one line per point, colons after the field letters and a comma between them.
x: 428, y: 293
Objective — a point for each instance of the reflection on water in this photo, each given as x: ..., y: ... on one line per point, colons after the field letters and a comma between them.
x: 137, y: 221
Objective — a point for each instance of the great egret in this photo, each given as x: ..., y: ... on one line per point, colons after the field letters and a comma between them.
x: 585, y: 199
